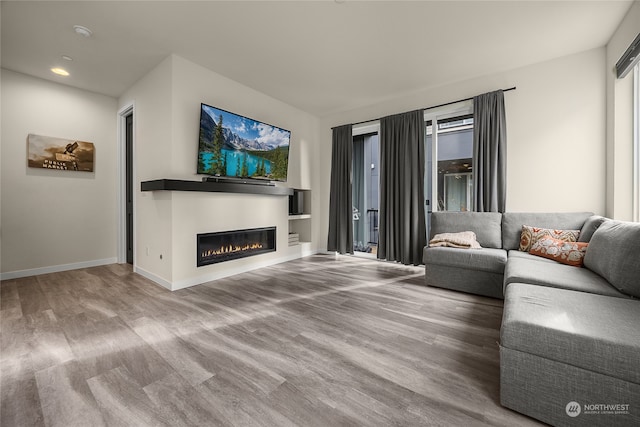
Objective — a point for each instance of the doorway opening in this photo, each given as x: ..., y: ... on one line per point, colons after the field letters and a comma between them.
x: 126, y: 193
x: 129, y: 186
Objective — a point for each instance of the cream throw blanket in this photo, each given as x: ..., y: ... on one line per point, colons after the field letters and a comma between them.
x: 462, y: 240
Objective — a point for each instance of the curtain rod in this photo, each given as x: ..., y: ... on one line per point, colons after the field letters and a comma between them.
x: 426, y: 108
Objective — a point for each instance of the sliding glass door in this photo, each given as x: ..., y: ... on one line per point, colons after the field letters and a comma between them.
x: 454, y: 153
x: 365, y: 193
x: 448, y: 184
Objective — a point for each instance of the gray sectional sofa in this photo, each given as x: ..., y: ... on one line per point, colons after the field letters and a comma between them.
x: 570, y: 336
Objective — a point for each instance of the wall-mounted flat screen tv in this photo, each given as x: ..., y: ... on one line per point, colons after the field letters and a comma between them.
x: 236, y: 146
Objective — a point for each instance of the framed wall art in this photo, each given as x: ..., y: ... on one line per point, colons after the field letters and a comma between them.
x: 45, y: 152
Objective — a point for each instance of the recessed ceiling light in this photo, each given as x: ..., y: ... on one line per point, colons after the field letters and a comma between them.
x: 60, y: 71
x: 67, y: 58
x: 83, y: 31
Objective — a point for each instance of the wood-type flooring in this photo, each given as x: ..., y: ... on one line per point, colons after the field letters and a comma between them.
x: 320, y: 341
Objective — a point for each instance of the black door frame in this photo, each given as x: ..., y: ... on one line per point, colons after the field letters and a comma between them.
x: 129, y: 192
x: 126, y: 187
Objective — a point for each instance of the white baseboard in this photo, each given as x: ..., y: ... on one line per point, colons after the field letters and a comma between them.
x: 157, y: 279
x: 56, y: 268
x: 172, y: 286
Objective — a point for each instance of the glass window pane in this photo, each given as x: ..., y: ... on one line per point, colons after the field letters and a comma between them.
x: 455, y: 153
x: 457, y: 192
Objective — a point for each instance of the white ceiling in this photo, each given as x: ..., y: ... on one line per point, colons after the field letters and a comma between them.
x: 320, y: 56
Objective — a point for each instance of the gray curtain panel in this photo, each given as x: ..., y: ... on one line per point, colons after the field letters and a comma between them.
x: 402, y: 224
x: 489, y: 152
x: 340, y: 201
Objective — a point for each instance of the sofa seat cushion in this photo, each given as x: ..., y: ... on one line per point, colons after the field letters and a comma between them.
x: 593, y: 332
x: 555, y: 275
x: 485, y: 259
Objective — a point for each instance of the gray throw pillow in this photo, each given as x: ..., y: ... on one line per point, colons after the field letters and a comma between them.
x: 590, y: 226
x: 614, y: 253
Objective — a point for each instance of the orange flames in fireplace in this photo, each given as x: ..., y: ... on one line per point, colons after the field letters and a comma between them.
x: 230, y: 249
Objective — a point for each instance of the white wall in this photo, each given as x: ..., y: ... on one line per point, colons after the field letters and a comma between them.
x: 54, y: 220
x: 620, y: 121
x: 151, y: 97
x: 555, y: 131
x: 168, y: 222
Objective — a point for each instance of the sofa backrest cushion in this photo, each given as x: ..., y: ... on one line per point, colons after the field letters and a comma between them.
x: 590, y: 226
x: 512, y: 223
x: 486, y: 225
x: 614, y: 253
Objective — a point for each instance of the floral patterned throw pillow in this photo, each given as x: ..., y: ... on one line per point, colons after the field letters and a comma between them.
x: 571, y: 253
x: 530, y: 235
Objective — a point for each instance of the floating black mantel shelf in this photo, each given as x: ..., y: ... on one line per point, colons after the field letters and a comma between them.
x: 212, y: 187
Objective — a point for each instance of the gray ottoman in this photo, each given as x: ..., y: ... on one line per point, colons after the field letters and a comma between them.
x: 570, y: 358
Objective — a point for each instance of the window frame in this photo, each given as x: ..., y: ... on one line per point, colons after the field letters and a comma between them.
x: 363, y: 129
x: 433, y: 115
x: 636, y: 142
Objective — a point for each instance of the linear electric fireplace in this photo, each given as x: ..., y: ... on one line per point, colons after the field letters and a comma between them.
x: 228, y: 245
